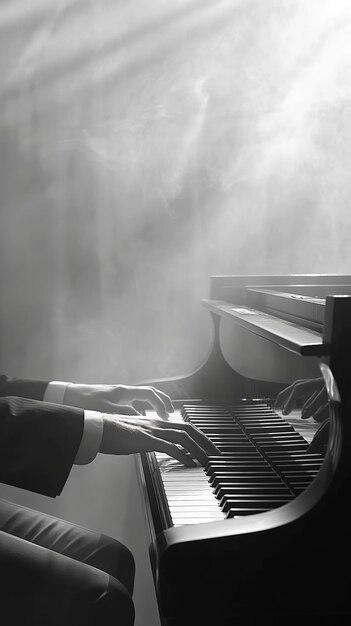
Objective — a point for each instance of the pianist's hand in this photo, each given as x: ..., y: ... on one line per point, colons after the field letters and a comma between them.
x: 127, y: 435
x: 310, y: 391
x: 117, y: 398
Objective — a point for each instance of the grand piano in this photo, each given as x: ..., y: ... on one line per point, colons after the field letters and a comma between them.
x: 262, y: 534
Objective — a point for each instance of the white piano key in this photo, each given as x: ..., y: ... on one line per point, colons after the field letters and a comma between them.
x: 189, y: 495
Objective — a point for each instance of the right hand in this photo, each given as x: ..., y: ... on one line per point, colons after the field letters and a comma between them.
x: 128, y: 435
x: 314, y: 394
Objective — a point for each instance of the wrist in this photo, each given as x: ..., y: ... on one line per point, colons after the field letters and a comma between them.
x: 108, y: 431
x: 75, y: 395
x: 85, y: 396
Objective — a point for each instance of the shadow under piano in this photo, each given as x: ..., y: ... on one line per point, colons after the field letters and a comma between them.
x: 262, y: 534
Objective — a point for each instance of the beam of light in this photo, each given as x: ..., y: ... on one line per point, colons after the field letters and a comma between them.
x: 281, y: 181
x: 15, y: 14
x: 274, y: 99
x: 70, y: 59
x: 71, y: 73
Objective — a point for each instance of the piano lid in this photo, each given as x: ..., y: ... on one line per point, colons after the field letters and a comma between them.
x: 232, y: 287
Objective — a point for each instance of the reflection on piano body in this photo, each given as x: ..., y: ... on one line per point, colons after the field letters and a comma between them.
x: 234, y: 540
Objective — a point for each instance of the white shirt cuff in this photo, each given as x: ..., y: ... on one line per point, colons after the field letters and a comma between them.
x: 55, y: 392
x: 91, y: 439
x: 93, y: 424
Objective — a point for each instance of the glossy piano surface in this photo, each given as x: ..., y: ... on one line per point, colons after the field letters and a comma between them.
x: 229, y: 540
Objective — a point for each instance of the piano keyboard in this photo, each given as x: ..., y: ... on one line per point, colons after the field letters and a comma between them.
x: 264, y: 464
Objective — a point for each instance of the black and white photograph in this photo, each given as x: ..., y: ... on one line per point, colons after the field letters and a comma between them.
x: 175, y: 319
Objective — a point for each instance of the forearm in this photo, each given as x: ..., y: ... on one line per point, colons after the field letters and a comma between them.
x: 38, y: 443
x: 54, y: 392
x: 34, y: 389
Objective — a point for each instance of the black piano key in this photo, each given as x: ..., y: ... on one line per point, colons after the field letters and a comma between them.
x: 224, y: 487
x: 308, y: 464
x: 223, y: 421
x: 291, y: 475
x: 298, y: 455
x: 251, y: 410
x: 235, y: 459
x: 254, y: 421
x: 282, y: 445
x: 300, y: 463
x: 260, y: 489
x: 224, y: 417
x: 295, y: 477
x: 238, y: 512
x: 235, y: 447
x: 276, y: 437
x: 277, y: 457
x: 244, y: 469
x: 239, y: 471
x: 275, y: 447
x: 248, y: 456
x: 270, y: 426
x: 217, y: 470
x: 229, y: 437
x: 300, y: 489
x: 247, y: 477
x: 232, y: 504
x: 221, y: 429
x: 259, y: 413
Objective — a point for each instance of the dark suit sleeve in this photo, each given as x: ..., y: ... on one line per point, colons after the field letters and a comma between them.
x: 34, y: 389
x: 38, y: 443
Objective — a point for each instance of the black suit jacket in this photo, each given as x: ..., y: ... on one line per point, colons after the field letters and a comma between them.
x: 38, y: 440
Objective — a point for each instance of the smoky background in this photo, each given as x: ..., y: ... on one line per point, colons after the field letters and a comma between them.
x: 145, y: 147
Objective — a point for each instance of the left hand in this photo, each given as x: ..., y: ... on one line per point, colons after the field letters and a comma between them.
x: 312, y: 392
x: 118, y: 398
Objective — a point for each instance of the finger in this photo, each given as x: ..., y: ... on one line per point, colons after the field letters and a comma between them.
x: 125, y: 410
x: 166, y: 400
x: 314, y: 403
x: 196, y: 434
x: 182, y: 438
x: 160, y: 445
x: 320, y: 439
x: 151, y: 396
x: 282, y: 397
x: 288, y: 398
x: 322, y: 414
x: 291, y: 400
x: 120, y: 409
x: 302, y: 389
x: 285, y: 394
x: 140, y: 407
